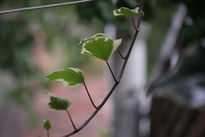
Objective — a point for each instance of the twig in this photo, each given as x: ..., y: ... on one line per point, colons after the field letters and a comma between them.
x: 107, y: 97
x: 111, y: 90
x: 71, y: 120
x: 116, y: 81
x: 120, y: 53
x: 47, y: 133
x: 91, y: 100
x: 130, y: 48
x: 111, y: 71
x: 140, y: 4
x: 44, y: 6
x: 127, y: 56
x: 133, y: 22
x: 94, y: 113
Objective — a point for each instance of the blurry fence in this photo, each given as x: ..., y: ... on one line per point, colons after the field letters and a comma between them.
x: 171, y: 120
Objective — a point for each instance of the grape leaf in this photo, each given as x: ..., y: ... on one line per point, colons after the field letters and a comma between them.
x: 123, y: 11
x: 99, y: 46
x: 47, y: 125
x: 69, y: 76
x: 57, y: 102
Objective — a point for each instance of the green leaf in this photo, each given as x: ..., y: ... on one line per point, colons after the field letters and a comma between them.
x: 99, y: 46
x: 46, y: 124
x: 123, y: 11
x: 57, y: 102
x: 69, y: 76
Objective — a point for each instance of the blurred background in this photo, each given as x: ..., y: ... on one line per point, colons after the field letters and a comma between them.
x: 167, y: 61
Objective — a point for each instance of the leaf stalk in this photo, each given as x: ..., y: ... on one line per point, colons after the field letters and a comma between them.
x: 69, y: 115
x: 112, y: 73
x: 91, y: 100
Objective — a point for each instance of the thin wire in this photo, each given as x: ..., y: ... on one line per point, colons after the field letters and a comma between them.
x: 44, y: 6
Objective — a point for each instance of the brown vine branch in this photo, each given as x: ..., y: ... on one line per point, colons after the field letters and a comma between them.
x: 133, y: 22
x: 116, y: 81
x: 120, y: 53
x: 71, y: 120
x: 91, y: 100
x: 112, y: 89
x: 127, y: 56
x: 94, y: 113
x: 45, y: 6
x: 113, y: 75
x: 140, y: 3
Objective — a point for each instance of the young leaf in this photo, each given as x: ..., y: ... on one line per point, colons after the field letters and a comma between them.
x: 69, y: 76
x: 123, y: 11
x: 99, y: 46
x: 57, y: 102
x: 46, y: 124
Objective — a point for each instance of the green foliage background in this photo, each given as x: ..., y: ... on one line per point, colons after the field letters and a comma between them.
x: 62, y: 28
x: 17, y: 39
